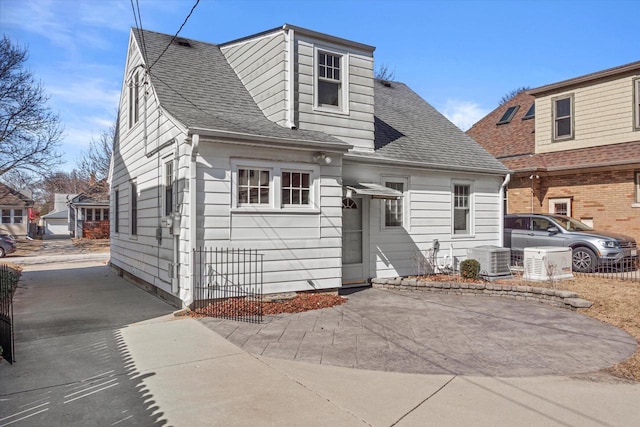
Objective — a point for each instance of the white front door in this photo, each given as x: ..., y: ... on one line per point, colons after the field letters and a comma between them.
x: 354, y: 240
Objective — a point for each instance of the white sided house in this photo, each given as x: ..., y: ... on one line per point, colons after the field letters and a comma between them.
x: 285, y: 143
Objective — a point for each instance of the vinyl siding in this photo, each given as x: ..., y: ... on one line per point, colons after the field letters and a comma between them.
x: 141, y: 255
x: 302, y: 250
x: 262, y: 67
x: 428, y: 215
x: 603, y: 115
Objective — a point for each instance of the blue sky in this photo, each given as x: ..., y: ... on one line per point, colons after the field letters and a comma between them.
x: 461, y: 56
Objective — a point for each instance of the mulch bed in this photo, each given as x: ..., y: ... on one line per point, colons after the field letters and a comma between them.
x: 246, y: 307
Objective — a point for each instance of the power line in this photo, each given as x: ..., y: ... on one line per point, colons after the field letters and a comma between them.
x: 144, y: 45
x: 176, y: 35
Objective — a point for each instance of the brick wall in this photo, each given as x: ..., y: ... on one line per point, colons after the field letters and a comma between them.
x: 605, y: 196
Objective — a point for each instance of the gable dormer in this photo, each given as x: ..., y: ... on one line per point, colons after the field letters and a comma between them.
x: 308, y: 80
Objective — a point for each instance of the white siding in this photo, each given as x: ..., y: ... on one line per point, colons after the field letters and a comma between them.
x: 302, y: 250
x: 138, y: 157
x: 262, y: 67
x: 428, y: 216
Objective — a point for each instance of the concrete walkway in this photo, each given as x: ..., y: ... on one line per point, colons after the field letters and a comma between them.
x: 92, y: 349
x: 430, y: 333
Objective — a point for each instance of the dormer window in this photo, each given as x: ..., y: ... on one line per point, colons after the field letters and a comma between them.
x: 563, y: 118
x: 331, y: 82
x: 508, y: 115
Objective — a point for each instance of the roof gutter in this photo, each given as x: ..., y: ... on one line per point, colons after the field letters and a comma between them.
x: 422, y: 165
x: 250, y: 139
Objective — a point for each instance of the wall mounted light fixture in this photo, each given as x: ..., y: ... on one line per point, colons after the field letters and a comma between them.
x: 322, y: 158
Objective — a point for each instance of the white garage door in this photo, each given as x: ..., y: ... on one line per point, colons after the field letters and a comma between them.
x: 58, y: 227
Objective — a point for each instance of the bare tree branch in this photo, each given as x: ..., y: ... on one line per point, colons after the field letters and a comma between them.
x: 94, y: 162
x: 509, y: 96
x: 29, y: 132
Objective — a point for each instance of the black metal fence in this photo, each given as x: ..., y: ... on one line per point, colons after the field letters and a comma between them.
x: 228, y: 283
x: 8, y: 281
x: 625, y: 269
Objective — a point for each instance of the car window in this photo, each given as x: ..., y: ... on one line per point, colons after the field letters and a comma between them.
x: 517, y: 223
x: 541, y: 224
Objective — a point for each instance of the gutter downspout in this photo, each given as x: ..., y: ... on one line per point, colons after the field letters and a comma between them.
x: 187, y: 294
x: 175, y: 282
x: 502, y: 210
x: 290, y: 38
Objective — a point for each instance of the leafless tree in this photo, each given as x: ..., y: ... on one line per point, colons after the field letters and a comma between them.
x: 509, y: 96
x: 29, y: 132
x: 94, y: 162
x: 384, y: 73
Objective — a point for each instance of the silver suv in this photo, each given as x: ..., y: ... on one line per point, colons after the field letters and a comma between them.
x: 591, y: 249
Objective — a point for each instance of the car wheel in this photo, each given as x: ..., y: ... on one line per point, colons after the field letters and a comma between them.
x: 2, y: 253
x: 584, y: 260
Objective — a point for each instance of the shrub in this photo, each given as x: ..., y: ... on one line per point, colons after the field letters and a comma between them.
x: 470, y: 269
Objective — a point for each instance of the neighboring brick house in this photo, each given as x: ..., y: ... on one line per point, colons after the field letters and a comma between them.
x: 580, y: 155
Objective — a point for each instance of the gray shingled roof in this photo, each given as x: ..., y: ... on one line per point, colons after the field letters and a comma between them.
x: 56, y: 215
x: 198, y: 87
x: 407, y: 128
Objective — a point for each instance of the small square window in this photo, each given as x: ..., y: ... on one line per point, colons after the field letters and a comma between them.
x: 508, y: 115
x: 253, y: 186
x: 296, y: 187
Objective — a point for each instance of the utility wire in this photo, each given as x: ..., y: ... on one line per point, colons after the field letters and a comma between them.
x: 176, y: 35
x: 144, y: 45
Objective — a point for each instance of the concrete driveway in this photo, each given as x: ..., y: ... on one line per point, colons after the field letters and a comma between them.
x: 94, y: 350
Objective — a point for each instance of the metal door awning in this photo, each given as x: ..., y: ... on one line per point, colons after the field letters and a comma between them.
x: 376, y: 191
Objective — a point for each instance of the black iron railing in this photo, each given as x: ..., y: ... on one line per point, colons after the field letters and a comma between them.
x: 8, y: 281
x: 228, y: 283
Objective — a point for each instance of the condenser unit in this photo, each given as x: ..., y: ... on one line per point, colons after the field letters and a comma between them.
x: 547, y: 263
x: 494, y: 260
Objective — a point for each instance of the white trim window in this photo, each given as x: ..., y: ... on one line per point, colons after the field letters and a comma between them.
x: 560, y: 206
x: 133, y: 209
x: 331, y: 81
x: 274, y: 186
x: 254, y: 186
x: 636, y: 105
x: 116, y: 210
x: 296, y: 188
x: 462, y: 209
x: 637, y: 186
x: 563, y: 117
x: 393, y: 215
x: 12, y: 216
x: 168, y: 187
x: 134, y: 99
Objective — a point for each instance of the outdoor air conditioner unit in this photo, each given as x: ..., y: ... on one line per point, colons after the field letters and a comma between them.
x: 547, y: 263
x: 494, y: 260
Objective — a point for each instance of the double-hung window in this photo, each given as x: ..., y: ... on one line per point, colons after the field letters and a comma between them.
x: 637, y: 182
x: 168, y: 188
x: 6, y: 216
x: 461, y: 209
x: 563, y: 118
x: 133, y: 209
x: 116, y: 215
x: 393, y: 208
x: 254, y: 186
x: 329, y: 80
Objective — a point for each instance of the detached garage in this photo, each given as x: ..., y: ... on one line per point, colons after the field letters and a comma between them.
x: 56, y: 224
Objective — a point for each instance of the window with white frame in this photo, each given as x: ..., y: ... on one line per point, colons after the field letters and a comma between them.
x: 394, y: 208
x: 637, y: 179
x: 134, y: 99
x: 253, y: 186
x: 636, y: 104
x: 116, y: 214
x: 18, y: 216
x: 168, y: 187
x: 274, y: 185
x: 563, y: 117
x: 461, y: 209
x: 12, y: 216
x: 6, y: 216
x: 560, y: 206
x: 296, y: 188
x: 331, y: 81
x: 133, y: 209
